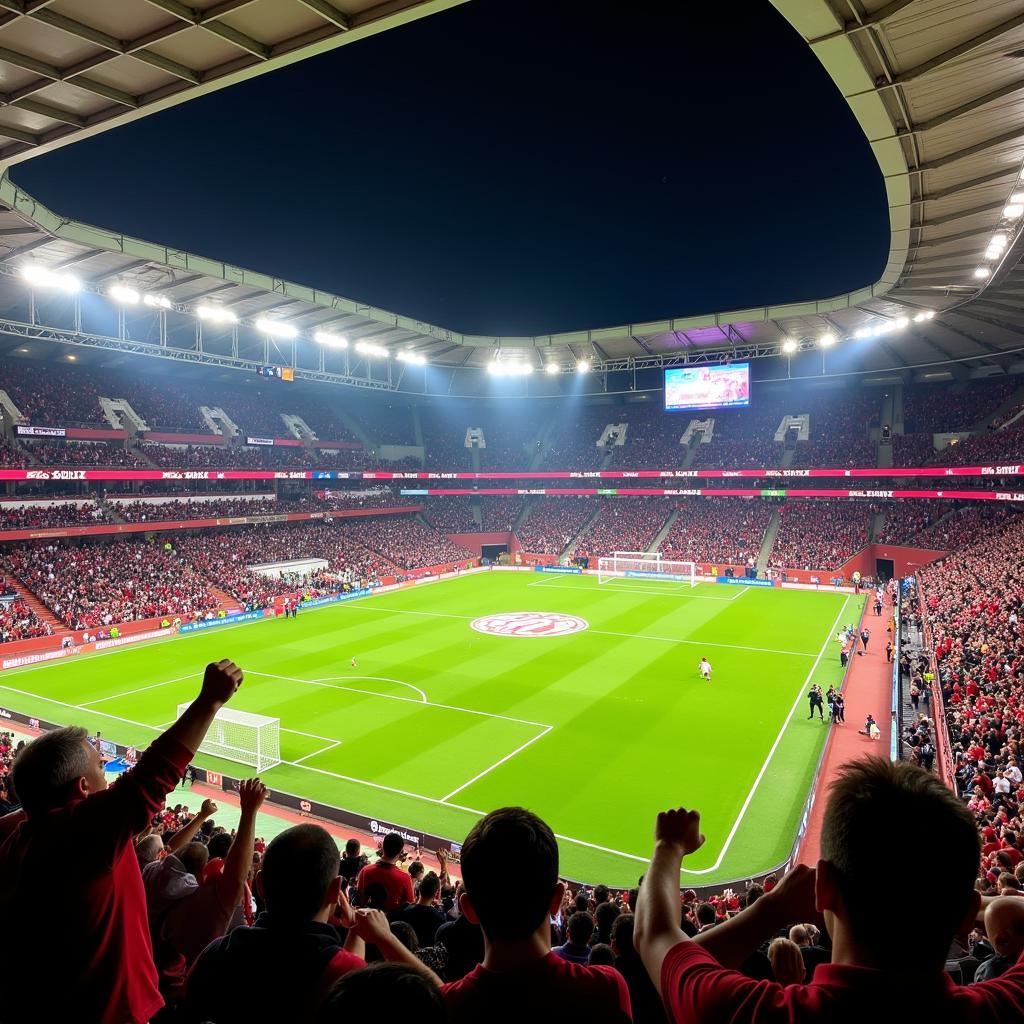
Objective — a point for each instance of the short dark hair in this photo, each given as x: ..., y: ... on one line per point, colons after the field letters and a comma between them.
x: 194, y: 857
x: 352, y: 848
x: 877, y: 811
x: 706, y: 914
x: 392, y: 845
x: 622, y: 935
x: 219, y: 844
x: 430, y: 885
x: 606, y: 914
x: 601, y: 954
x: 416, y: 868
x: 580, y: 929
x: 46, y: 767
x: 359, y: 995
x: 406, y: 935
x: 601, y: 894
x: 299, y: 866
x: 510, y: 835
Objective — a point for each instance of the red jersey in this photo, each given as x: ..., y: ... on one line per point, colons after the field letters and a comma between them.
x: 79, y: 861
x: 695, y: 987
x: 396, y: 882
x: 551, y: 989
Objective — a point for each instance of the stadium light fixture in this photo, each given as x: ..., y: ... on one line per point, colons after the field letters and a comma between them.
x: 123, y: 294
x: 1013, y: 211
x: 510, y: 368
x: 789, y: 346
x: 366, y: 348
x: 583, y: 366
x: 413, y: 358
x: 992, y: 253
x: 982, y: 272
x: 156, y: 301
x: 276, y: 328
x: 216, y: 314
x: 552, y: 369
x: 41, y: 277
x: 861, y: 333
x: 998, y: 242
x: 902, y: 322
x: 926, y: 315
x: 827, y: 340
x: 1017, y: 197
x: 330, y: 339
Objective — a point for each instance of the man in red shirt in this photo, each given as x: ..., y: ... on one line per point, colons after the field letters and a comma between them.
x: 859, y: 885
x: 521, y: 979
x: 384, y: 885
x: 70, y: 849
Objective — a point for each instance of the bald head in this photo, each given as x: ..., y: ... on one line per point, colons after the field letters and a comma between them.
x: 1004, y: 925
x: 149, y: 850
x: 798, y: 934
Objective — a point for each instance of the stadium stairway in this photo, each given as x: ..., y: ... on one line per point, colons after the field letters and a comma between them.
x: 138, y: 452
x: 877, y: 525
x: 36, y: 606
x: 659, y: 538
x: 691, y: 451
x: 574, y: 543
x: 110, y: 509
x: 1010, y: 405
x: 224, y: 599
x: 768, y: 540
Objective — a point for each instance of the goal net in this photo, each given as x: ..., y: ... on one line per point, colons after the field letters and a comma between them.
x: 240, y: 736
x: 631, y: 564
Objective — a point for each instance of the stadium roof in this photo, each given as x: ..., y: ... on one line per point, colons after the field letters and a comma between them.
x: 935, y: 86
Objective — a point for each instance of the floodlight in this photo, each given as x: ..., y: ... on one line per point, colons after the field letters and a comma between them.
x: 901, y: 323
x: 414, y: 358
x: 367, y: 348
x: 123, y: 294
x: 1013, y: 211
x: 216, y: 314
x: 982, y: 272
x: 789, y: 346
x: 1017, y: 197
x: 552, y: 368
x: 827, y: 340
x: 998, y: 242
x: 276, y: 328
x: 330, y: 339
x: 156, y: 301
x: 41, y: 277
x: 583, y: 366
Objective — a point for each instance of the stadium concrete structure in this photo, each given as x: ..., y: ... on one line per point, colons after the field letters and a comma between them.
x: 940, y: 100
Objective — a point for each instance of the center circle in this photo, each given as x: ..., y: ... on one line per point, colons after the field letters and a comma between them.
x: 529, y: 624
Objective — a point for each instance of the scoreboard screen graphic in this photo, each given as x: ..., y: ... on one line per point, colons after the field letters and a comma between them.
x: 707, y: 387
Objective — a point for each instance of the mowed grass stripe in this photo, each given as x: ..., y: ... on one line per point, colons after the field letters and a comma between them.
x: 634, y: 728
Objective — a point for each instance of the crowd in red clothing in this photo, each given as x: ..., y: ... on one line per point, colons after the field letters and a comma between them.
x: 963, y: 526
x: 552, y: 523
x: 718, y: 530
x: 55, y: 514
x: 403, y: 541
x: 821, y: 533
x: 624, y: 524
x: 906, y: 521
x: 937, y: 408
x: 108, y: 582
x: 19, y: 622
x: 80, y: 453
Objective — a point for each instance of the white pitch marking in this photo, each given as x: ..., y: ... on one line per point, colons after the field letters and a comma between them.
x: 507, y: 757
x: 385, y: 679
x: 322, y: 750
x: 139, y: 689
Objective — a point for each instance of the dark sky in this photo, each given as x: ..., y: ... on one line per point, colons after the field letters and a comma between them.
x: 514, y: 166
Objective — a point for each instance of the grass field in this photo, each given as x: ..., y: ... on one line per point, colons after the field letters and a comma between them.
x: 596, y: 731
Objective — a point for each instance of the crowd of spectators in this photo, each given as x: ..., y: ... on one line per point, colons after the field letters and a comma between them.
x: 962, y: 526
x: 141, y: 511
x: 50, y: 515
x: 80, y: 453
x: 499, y: 513
x: 975, y: 600
x: 842, y: 451
x: 821, y: 533
x: 453, y: 514
x: 403, y: 540
x: 999, y: 446
x: 19, y: 622
x: 624, y: 524
x: 913, y: 449
x: 906, y: 520
x: 746, y: 453
x: 552, y: 523
x: 109, y: 582
x: 942, y: 408
x: 718, y: 530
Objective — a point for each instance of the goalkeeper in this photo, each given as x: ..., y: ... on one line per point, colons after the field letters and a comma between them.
x: 705, y: 669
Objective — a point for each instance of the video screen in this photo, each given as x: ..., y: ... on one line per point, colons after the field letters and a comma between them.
x: 707, y: 387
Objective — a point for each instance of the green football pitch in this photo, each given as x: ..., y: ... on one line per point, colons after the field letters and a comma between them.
x: 596, y: 731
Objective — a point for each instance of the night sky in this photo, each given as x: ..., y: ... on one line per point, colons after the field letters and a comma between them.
x: 514, y: 167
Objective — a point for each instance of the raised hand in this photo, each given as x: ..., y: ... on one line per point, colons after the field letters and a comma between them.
x: 372, y: 926
x: 208, y: 808
x: 251, y: 794
x: 680, y: 830
x: 220, y: 682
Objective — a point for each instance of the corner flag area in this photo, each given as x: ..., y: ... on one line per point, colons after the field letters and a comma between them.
x: 582, y: 702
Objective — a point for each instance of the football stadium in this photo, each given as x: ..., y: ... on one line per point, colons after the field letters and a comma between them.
x: 484, y: 668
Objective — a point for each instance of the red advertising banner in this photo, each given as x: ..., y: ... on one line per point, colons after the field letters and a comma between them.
x: 713, y: 492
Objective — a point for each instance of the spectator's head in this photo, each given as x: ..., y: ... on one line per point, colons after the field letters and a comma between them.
x: 416, y: 869
x: 219, y: 845
x: 406, y: 935
x: 149, y: 850
x: 798, y: 934
x: 875, y: 800
x: 1004, y: 926
x: 622, y: 937
x: 705, y: 914
x: 194, y: 858
x: 753, y: 894
x: 580, y: 929
x: 601, y: 955
x: 57, y: 767
x: 429, y: 887
x: 605, y: 915
x: 359, y: 995
x: 511, y: 910
x: 353, y: 847
x: 787, y: 962
x: 392, y: 846
x: 300, y: 879
x: 601, y: 894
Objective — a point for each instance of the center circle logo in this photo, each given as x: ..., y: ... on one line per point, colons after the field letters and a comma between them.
x: 529, y: 624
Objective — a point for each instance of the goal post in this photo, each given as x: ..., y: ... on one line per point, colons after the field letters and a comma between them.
x: 628, y: 565
x: 241, y: 736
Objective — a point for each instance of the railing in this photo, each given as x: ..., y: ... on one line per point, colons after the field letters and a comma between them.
x: 896, y: 733
x: 943, y: 748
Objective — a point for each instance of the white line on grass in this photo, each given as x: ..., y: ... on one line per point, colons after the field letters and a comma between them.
x: 139, y: 689
x: 507, y: 757
x: 771, y: 753
x: 322, y: 750
x: 330, y: 679
x: 600, y: 632
x: 554, y: 583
